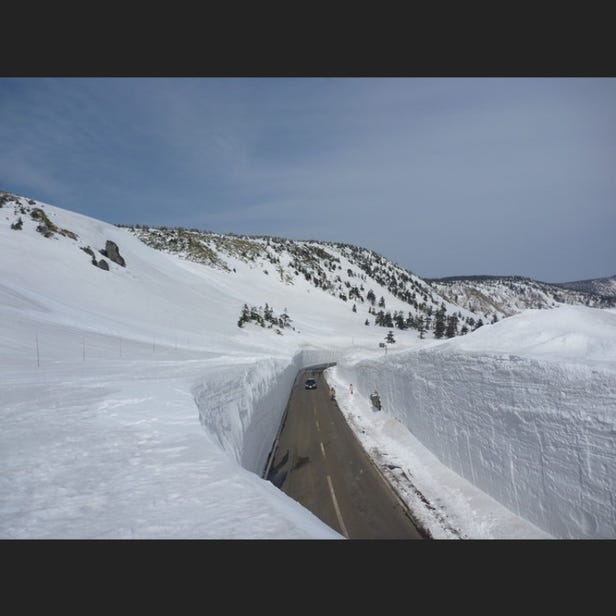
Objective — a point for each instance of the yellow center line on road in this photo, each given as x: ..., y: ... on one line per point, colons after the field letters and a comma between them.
x: 323, y: 450
x: 345, y: 532
x: 318, y: 427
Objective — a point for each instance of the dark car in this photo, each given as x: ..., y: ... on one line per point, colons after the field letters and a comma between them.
x: 310, y: 384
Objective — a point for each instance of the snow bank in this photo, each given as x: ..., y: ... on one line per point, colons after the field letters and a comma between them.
x: 575, y: 334
x: 534, y: 430
x: 114, y: 449
x: 242, y: 407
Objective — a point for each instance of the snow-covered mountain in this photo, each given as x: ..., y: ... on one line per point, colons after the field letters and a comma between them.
x: 376, y: 291
x: 496, y: 297
x: 135, y: 404
x: 598, y: 286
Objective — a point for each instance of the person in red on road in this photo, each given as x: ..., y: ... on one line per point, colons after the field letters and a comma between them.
x: 332, y: 393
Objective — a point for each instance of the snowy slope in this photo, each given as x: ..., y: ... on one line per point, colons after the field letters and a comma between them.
x: 133, y: 406
x: 369, y: 286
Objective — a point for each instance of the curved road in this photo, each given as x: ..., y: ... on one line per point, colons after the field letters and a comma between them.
x: 319, y: 462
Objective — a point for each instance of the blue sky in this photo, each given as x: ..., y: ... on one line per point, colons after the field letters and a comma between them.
x: 445, y: 176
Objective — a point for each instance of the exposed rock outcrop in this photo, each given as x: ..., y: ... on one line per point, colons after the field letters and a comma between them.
x: 44, y: 230
x: 112, y: 252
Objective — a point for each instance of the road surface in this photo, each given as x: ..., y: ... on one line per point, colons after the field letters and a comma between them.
x: 319, y: 462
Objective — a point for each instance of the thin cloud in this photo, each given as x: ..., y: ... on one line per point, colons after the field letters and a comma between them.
x: 443, y: 175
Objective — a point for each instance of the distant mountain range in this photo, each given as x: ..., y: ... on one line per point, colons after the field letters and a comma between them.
x: 598, y: 286
x: 495, y: 297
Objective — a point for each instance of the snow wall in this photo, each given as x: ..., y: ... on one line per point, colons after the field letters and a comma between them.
x: 539, y: 437
x: 241, y: 407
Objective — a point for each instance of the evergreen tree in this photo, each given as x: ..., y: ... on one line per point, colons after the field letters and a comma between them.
x: 439, y: 324
x: 410, y: 321
x: 421, y: 326
x: 390, y: 337
x: 382, y: 302
x: 379, y: 318
x: 244, y: 316
x: 354, y: 308
x: 255, y: 315
x: 387, y: 320
x: 285, y: 318
x: 371, y: 297
x: 452, y: 326
x: 367, y: 322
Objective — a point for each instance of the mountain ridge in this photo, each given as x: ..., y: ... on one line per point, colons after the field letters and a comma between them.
x: 586, y: 284
x: 394, y: 296
x: 605, y: 286
x: 497, y: 297
x: 379, y: 291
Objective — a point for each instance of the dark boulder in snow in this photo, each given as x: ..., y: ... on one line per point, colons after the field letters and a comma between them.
x: 112, y: 252
x: 103, y: 265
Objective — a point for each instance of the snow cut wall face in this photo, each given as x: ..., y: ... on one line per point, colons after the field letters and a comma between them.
x: 241, y: 407
x: 537, y: 436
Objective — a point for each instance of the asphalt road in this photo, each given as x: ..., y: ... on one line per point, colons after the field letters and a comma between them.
x: 319, y: 462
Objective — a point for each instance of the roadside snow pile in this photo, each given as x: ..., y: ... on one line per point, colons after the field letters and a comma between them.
x: 524, y: 409
x: 242, y: 408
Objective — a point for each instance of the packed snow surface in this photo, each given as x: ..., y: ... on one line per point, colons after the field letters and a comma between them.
x: 133, y: 406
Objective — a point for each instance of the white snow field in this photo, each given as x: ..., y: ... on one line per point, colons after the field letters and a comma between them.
x: 133, y: 406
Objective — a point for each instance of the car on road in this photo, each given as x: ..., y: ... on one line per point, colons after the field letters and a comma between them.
x: 310, y: 384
